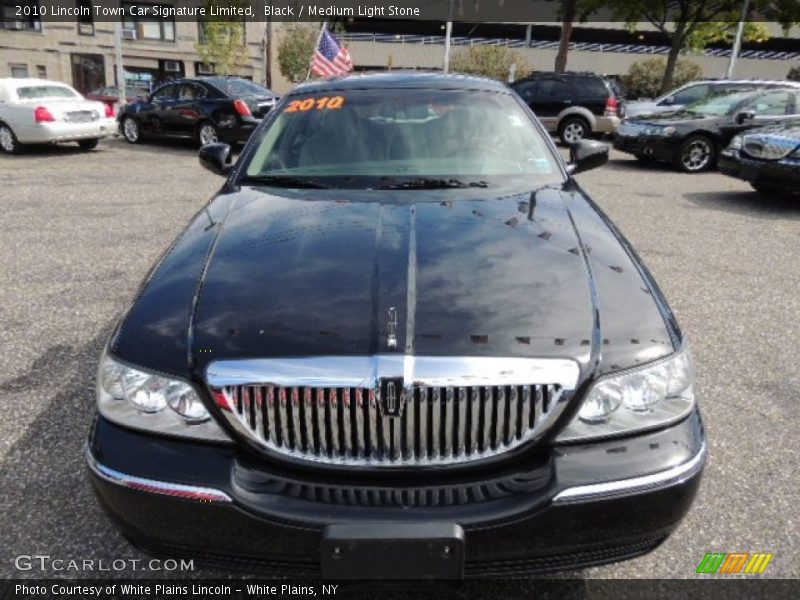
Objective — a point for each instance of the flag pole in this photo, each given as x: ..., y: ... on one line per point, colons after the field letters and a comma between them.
x: 316, y: 47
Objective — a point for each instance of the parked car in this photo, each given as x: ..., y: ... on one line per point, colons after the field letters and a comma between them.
x: 691, y: 138
x: 573, y: 105
x: 109, y: 94
x: 695, y: 92
x: 385, y: 342
x: 38, y: 111
x: 208, y: 109
x: 767, y: 158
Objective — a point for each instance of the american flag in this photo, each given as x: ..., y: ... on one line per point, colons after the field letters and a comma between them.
x: 330, y: 58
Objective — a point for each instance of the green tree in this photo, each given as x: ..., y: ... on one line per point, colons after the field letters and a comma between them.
x: 489, y: 61
x: 222, y: 42
x: 643, y: 79
x: 295, y: 50
x: 794, y: 74
x: 693, y: 24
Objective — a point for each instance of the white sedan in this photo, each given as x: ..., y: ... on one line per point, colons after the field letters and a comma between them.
x: 37, y: 111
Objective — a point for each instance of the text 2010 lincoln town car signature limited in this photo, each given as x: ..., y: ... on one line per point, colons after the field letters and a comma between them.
x: 401, y: 341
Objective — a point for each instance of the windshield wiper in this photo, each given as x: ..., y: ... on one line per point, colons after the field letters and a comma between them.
x: 426, y: 183
x: 286, y: 180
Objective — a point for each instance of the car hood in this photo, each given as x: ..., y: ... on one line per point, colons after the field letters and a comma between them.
x: 677, y: 118
x: 456, y: 272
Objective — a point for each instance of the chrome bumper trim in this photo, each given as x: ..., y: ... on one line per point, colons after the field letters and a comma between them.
x: 422, y: 371
x: 634, y: 485
x: 189, y: 492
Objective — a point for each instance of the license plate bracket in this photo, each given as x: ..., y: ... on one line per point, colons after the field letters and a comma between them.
x: 393, y: 551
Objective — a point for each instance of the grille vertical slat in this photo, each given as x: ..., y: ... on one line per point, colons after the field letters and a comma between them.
x: 449, y: 408
x: 333, y: 419
x: 513, y: 406
x: 487, y: 401
x: 360, y: 449
x: 322, y: 428
x: 347, y: 427
x: 475, y: 420
x: 434, y: 425
x: 422, y: 401
x: 461, y: 441
x: 372, y: 418
x: 436, y: 421
x: 409, y: 420
x: 538, y: 406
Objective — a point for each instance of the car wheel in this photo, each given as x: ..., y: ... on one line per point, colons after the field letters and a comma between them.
x: 207, y: 134
x: 573, y: 129
x: 87, y: 145
x: 8, y: 141
x: 131, y: 130
x: 697, y: 153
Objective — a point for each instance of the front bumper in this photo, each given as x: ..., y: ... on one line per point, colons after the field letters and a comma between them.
x: 783, y: 174
x: 44, y: 133
x: 657, y: 148
x: 570, y: 507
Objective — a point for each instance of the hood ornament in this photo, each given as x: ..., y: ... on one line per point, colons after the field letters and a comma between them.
x: 391, y: 329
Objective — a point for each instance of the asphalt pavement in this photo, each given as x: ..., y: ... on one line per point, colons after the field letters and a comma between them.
x: 80, y: 231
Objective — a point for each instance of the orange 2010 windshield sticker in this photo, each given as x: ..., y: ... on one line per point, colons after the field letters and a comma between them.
x: 324, y: 103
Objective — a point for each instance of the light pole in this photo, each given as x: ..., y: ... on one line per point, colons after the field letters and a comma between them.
x: 120, y: 79
x: 737, y: 43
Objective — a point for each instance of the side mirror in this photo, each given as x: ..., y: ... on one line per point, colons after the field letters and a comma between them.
x: 669, y: 100
x: 585, y: 155
x: 216, y: 158
x: 743, y: 116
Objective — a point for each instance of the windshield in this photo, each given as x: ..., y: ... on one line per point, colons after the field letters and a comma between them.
x: 240, y: 87
x: 403, y: 139
x: 35, y: 92
x: 720, y: 104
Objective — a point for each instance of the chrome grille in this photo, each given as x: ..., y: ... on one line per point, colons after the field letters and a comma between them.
x: 355, y: 424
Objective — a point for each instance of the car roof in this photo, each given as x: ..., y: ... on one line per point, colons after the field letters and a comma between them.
x: 402, y: 79
x: 18, y: 82
x: 754, y: 82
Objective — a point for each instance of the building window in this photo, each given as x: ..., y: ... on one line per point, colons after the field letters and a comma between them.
x: 85, y: 18
x: 18, y: 70
x: 20, y: 15
x: 88, y: 72
x: 148, y: 28
x: 41, y: 71
x: 201, y: 68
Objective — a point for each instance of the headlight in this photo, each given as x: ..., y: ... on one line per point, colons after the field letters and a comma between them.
x: 736, y: 143
x: 659, y: 131
x: 143, y: 400
x: 796, y: 153
x: 643, y: 398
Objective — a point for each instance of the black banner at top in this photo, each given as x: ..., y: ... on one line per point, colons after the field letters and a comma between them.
x: 494, y: 11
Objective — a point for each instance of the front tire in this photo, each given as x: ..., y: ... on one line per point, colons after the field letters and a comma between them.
x: 573, y: 129
x: 697, y: 153
x: 207, y: 133
x: 8, y: 141
x: 87, y: 145
x: 131, y: 130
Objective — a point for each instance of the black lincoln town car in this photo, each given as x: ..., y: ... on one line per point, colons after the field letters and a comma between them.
x: 692, y: 138
x: 768, y: 159
x: 401, y: 341
x: 206, y: 109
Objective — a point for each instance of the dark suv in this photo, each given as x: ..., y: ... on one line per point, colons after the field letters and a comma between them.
x: 574, y: 105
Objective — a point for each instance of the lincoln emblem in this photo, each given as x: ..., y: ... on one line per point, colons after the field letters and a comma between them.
x: 391, y: 396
